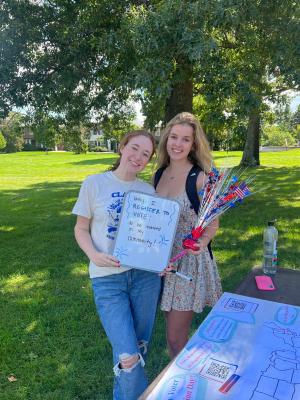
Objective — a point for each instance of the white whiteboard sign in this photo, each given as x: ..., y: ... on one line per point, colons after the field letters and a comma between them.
x: 146, y: 231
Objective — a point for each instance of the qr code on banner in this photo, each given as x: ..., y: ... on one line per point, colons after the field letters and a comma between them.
x: 237, y: 305
x: 240, y: 305
x: 218, y: 370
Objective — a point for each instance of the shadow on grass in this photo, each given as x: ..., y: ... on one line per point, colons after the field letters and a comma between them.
x: 51, y: 338
x: 224, y: 156
x: 108, y: 159
x: 50, y: 335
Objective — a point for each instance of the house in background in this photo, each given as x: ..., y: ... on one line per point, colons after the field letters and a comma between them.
x: 96, y: 137
x: 30, y: 141
x: 158, y: 131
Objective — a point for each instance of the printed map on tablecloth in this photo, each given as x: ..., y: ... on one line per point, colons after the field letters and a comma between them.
x: 246, y: 349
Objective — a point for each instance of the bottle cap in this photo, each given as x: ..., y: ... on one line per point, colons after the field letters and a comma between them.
x: 271, y: 223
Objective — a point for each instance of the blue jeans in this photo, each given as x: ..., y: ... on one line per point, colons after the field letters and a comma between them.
x: 126, y: 304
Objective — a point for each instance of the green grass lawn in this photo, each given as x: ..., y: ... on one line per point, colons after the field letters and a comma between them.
x: 51, y: 340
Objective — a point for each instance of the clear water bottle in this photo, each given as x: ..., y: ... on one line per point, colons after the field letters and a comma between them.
x: 270, y: 249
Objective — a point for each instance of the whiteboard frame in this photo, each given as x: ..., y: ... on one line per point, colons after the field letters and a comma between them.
x: 123, y: 230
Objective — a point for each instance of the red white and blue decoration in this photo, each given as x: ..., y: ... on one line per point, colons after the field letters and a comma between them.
x: 222, y: 190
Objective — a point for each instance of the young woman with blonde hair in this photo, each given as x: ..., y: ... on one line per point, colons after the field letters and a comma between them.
x: 184, y: 151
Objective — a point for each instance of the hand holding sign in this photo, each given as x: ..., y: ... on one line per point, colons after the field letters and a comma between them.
x: 146, y: 231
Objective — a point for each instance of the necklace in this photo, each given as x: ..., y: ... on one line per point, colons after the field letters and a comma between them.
x: 177, y: 174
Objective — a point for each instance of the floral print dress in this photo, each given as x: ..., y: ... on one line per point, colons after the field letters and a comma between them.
x: 205, y: 288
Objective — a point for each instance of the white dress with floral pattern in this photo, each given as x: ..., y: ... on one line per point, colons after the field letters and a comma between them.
x: 205, y: 289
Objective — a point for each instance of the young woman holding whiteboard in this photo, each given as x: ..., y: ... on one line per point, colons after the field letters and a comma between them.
x: 126, y: 299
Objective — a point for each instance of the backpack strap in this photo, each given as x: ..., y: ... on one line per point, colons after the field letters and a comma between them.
x: 191, y: 187
x: 191, y: 190
x: 158, y: 175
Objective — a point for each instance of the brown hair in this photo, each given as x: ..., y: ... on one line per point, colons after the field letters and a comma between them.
x: 200, y: 153
x: 126, y: 139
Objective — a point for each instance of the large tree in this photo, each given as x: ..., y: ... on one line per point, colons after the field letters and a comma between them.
x: 62, y: 56
x: 267, y: 62
x: 169, y: 40
x: 85, y: 57
x: 237, y: 55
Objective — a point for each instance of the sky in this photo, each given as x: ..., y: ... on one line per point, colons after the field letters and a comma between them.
x: 295, y: 103
x: 139, y: 120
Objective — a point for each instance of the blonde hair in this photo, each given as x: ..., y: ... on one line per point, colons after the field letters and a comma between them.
x: 200, y: 153
x: 126, y: 139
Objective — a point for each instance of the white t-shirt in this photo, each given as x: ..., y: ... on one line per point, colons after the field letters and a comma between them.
x: 100, y: 199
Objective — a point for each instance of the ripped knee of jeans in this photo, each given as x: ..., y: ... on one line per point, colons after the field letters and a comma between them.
x: 143, y: 346
x: 127, y: 362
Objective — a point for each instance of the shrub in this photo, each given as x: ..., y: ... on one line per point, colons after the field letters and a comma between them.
x: 2, y: 142
x: 98, y: 149
x: 275, y: 136
x: 29, y: 147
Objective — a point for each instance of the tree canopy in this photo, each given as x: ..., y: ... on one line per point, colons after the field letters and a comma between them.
x: 12, y: 128
x: 221, y: 59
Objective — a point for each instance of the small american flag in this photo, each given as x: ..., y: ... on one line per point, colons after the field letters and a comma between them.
x: 242, y: 190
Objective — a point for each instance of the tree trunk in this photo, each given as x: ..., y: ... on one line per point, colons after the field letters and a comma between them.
x: 181, y: 96
x: 251, y: 149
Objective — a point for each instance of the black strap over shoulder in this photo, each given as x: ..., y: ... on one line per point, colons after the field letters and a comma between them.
x: 191, y: 190
x: 191, y: 187
x: 158, y: 175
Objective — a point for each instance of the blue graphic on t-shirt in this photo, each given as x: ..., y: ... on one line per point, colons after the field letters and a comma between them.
x: 114, y: 211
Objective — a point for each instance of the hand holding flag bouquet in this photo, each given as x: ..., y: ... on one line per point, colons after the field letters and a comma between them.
x: 222, y: 191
